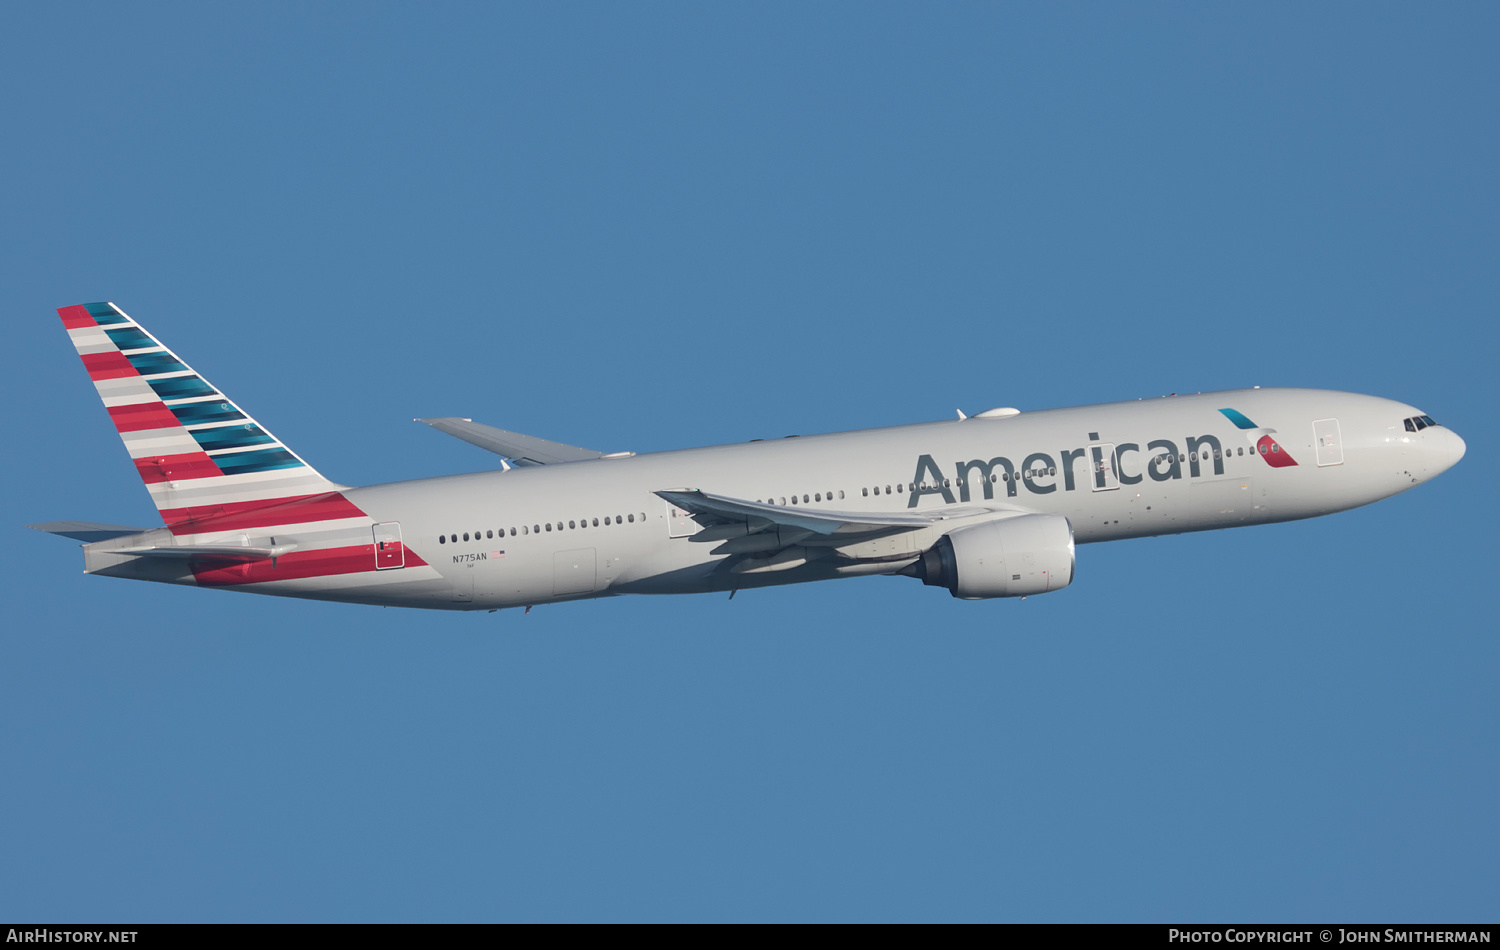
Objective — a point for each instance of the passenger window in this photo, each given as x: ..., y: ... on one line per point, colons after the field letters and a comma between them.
x: 491, y: 534
x: 596, y: 522
x: 536, y: 529
x: 804, y: 499
x: 466, y: 535
x: 818, y: 497
x: 549, y: 526
x: 513, y: 532
x: 864, y: 493
x: 841, y: 494
x: 442, y: 539
x: 632, y: 519
x: 571, y: 524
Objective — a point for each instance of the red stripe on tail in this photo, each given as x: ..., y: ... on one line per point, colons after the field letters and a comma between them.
x: 355, y: 559
x: 145, y: 415
x: 76, y: 317
x: 266, y: 513
x: 175, y: 468
x: 110, y: 365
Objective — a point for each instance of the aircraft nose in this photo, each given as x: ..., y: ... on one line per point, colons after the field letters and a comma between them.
x: 1443, y: 449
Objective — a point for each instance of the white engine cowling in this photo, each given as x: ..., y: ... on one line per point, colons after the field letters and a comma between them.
x: 1027, y: 554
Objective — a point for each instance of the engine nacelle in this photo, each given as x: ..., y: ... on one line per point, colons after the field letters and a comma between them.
x: 1027, y: 554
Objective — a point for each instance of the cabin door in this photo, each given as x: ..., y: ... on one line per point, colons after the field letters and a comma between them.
x: 1328, y: 441
x: 389, y: 551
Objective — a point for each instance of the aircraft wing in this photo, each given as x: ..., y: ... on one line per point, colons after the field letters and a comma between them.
x: 710, y: 510
x: 522, y: 449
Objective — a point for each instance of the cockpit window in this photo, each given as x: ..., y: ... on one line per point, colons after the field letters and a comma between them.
x: 1418, y: 423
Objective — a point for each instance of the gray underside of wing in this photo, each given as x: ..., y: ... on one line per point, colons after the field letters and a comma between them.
x: 717, y: 509
x: 523, y: 449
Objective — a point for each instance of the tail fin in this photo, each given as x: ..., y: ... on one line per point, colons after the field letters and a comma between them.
x: 197, y: 452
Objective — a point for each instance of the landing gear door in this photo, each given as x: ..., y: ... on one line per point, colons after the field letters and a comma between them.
x: 389, y: 551
x: 1103, y: 466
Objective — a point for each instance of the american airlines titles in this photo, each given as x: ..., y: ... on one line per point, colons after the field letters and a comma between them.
x: 1039, y: 471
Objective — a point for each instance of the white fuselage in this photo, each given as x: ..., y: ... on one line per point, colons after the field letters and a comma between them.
x: 596, y: 528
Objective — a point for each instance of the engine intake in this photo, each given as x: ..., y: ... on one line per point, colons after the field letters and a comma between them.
x: 1027, y: 554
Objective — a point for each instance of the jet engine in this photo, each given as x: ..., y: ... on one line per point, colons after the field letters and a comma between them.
x: 1027, y: 554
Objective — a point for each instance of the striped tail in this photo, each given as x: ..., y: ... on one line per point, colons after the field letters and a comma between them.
x: 199, y: 455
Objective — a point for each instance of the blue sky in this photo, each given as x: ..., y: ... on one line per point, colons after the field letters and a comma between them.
x: 660, y: 225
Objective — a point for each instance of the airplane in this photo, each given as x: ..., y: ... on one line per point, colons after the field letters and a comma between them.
x: 988, y: 506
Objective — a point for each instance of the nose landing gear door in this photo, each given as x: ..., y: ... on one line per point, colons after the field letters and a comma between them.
x: 389, y: 551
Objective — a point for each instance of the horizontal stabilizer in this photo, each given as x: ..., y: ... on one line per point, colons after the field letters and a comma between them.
x: 523, y: 449
x: 237, y: 552
x: 86, y: 531
x: 716, y: 509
